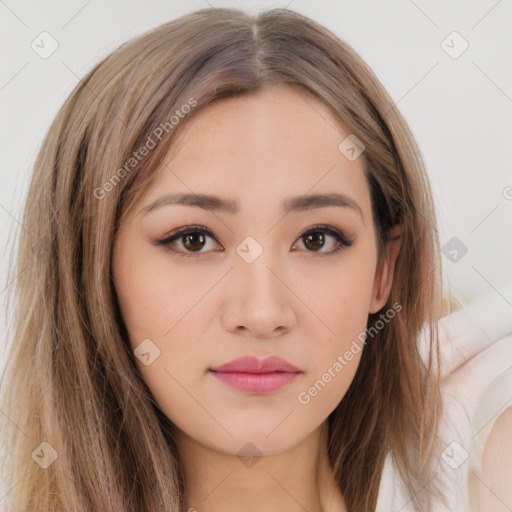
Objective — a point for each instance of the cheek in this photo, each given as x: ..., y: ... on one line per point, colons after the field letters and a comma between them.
x: 155, y: 298
x: 162, y: 310
x: 165, y: 311
x: 340, y: 296
x: 336, y: 343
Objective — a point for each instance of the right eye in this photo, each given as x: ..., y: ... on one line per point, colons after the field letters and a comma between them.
x: 191, y: 238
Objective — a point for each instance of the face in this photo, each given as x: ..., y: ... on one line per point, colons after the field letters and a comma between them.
x: 264, y: 269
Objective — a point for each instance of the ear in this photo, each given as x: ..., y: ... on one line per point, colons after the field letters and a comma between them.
x: 385, y: 269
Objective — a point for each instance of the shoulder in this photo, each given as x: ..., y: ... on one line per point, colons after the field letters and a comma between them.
x: 494, y: 481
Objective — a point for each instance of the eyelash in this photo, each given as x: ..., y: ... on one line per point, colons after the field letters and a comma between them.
x: 343, y: 241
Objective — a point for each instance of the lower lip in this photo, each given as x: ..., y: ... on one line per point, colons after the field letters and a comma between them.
x: 256, y: 382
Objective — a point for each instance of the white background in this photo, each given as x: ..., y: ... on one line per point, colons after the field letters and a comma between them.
x: 459, y: 109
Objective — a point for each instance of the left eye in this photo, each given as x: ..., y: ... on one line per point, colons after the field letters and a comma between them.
x: 315, y: 238
x: 193, y: 239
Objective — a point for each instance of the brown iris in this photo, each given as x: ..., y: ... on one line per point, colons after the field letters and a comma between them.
x: 194, y: 241
x: 316, y: 240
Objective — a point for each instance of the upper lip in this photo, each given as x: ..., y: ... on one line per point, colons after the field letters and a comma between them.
x: 251, y: 364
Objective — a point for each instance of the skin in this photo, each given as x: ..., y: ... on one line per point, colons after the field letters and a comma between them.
x: 207, y: 309
x: 494, y: 482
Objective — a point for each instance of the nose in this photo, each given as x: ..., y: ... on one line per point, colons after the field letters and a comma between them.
x: 259, y: 301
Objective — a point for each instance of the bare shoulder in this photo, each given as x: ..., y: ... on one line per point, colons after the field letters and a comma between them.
x: 495, y: 480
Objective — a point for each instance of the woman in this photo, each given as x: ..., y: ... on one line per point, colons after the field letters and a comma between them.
x: 233, y: 254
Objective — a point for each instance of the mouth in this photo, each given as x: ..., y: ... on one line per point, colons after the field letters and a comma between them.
x: 256, y: 382
x: 254, y: 375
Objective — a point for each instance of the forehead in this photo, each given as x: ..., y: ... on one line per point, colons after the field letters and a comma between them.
x: 261, y: 147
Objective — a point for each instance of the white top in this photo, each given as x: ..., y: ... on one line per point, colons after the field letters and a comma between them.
x: 476, y: 371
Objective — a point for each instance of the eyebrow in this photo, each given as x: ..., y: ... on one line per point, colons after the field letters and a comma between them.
x: 291, y: 204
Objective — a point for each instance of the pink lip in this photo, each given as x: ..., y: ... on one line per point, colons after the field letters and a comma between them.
x: 251, y: 374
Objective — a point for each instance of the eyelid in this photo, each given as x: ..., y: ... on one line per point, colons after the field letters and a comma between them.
x: 187, y: 229
x: 342, y: 240
x: 334, y: 232
x: 183, y: 230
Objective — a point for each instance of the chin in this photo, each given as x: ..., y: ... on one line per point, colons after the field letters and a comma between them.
x: 257, y: 444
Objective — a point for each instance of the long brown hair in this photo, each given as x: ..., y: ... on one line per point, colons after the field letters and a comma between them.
x: 71, y: 380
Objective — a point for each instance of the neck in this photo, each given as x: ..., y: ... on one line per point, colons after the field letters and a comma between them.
x: 295, y: 480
